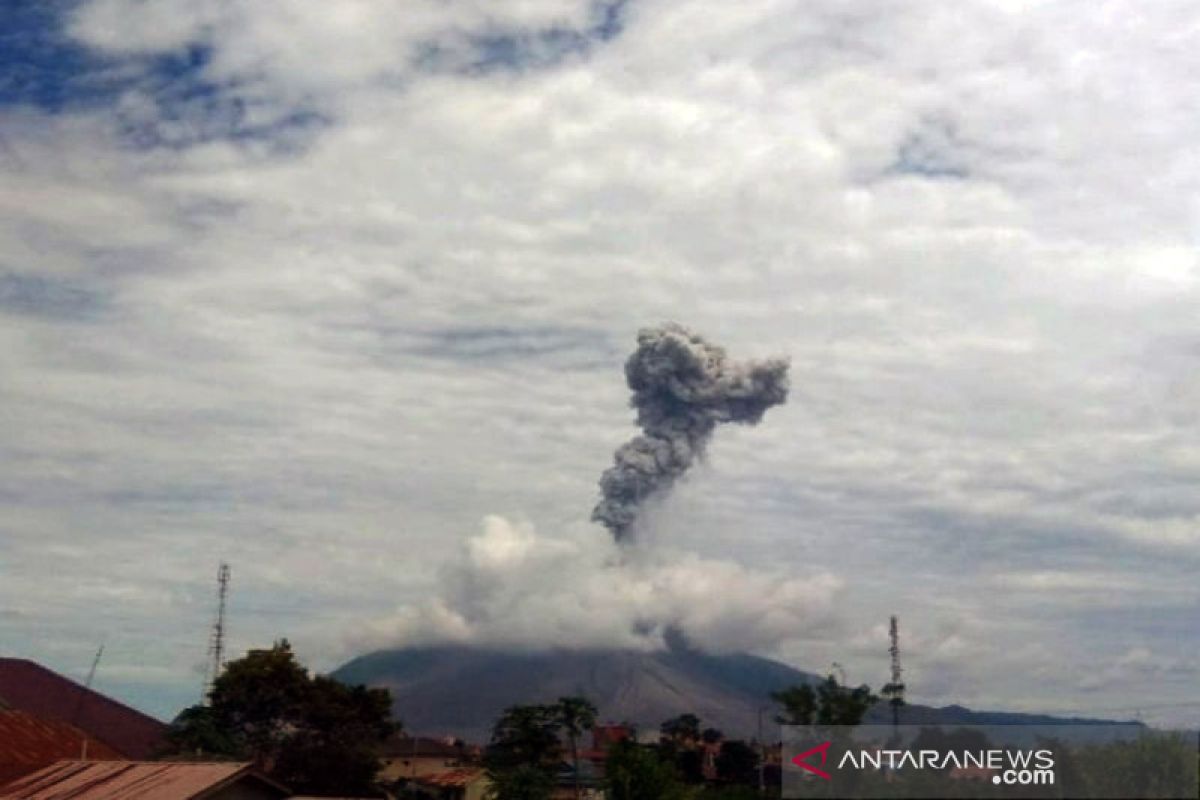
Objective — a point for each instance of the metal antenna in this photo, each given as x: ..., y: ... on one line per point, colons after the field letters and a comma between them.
x: 84, y: 691
x: 894, y: 691
x: 216, y: 641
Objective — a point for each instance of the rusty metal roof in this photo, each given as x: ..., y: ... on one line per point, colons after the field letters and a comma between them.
x: 29, y: 743
x: 133, y: 780
x: 455, y: 778
x: 27, y: 686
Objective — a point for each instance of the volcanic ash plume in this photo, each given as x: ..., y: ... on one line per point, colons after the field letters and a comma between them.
x: 682, y: 387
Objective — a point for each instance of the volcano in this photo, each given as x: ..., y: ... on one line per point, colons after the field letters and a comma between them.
x: 452, y: 690
x: 460, y: 691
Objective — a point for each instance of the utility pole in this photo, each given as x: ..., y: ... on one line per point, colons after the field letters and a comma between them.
x: 894, y: 691
x: 216, y: 642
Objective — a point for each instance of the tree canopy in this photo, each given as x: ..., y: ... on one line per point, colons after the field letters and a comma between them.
x: 576, y: 715
x: 525, y: 753
x: 312, y: 733
x: 634, y: 772
x: 829, y: 704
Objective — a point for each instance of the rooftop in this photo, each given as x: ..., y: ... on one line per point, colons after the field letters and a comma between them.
x: 132, y: 780
x: 452, y: 779
x: 28, y: 686
x: 28, y: 743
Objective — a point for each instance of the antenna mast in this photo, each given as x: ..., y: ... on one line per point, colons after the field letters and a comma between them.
x: 216, y: 642
x: 894, y: 691
x: 83, y: 694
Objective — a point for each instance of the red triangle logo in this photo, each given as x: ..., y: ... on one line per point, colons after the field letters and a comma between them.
x: 823, y: 749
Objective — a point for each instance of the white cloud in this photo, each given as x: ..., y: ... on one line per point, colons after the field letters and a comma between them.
x: 511, y: 587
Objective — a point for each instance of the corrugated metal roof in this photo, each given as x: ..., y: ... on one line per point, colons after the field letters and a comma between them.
x: 131, y: 780
x: 27, y: 686
x: 28, y: 743
x: 455, y: 778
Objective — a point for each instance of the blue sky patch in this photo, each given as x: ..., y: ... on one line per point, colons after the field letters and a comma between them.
x: 34, y: 295
x: 523, y: 49
x: 43, y: 68
x: 934, y: 151
x: 39, y: 64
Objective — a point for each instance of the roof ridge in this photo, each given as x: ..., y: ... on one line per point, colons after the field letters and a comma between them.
x: 157, y: 762
x: 91, y: 692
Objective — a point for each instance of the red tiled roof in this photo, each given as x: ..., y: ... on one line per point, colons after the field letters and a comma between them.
x: 26, y: 686
x: 133, y: 780
x: 608, y: 734
x: 28, y: 744
x: 452, y: 779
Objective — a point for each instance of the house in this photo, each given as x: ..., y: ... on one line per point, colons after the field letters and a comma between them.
x: 30, y: 687
x: 463, y: 783
x: 29, y: 743
x: 408, y: 757
x: 605, y: 736
x: 144, y: 780
x: 592, y: 761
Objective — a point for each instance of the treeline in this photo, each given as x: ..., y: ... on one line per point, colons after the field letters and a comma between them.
x: 321, y: 737
x: 531, y: 743
x: 687, y: 762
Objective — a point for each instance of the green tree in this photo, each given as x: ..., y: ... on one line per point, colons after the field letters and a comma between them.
x: 576, y: 715
x: 525, y: 745
x: 679, y: 741
x: 799, y: 705
x: 635, y: 772
x: 829, y: 704
x: 522, y: 782
x: 197, y: 733
x: 259, y: 698
x: 313, y: 734
x: 334, y: 748
x: 683, y: 730
x: 737, y: 764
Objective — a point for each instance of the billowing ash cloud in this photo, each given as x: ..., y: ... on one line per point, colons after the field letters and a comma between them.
x: 682, y: 388
x: 513, y: 587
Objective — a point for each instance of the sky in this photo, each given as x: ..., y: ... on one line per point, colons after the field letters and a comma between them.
x: 341, y: 293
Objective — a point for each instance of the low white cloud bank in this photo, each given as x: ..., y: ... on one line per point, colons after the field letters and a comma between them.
x: 513, y: 587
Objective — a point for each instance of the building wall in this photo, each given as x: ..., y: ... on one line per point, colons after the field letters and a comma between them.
x: 477, y: 790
